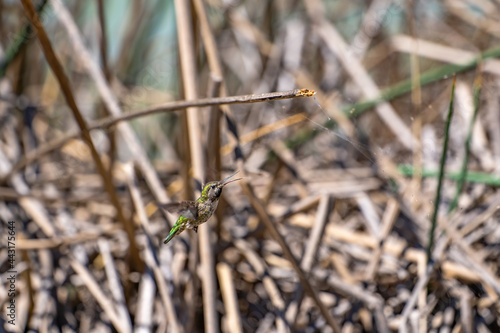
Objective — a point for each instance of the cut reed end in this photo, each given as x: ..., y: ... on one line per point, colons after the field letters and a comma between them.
x: 305, y: 93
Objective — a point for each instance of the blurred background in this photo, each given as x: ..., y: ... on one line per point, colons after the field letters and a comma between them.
x: 349, y: 218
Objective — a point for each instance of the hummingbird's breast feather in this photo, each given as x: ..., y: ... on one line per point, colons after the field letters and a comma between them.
x: 205, y: 210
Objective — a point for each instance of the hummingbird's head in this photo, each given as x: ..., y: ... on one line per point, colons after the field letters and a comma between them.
x: 213, y: 190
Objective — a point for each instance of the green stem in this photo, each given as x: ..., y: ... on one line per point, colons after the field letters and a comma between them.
x: 441, y: 174
x: 471, y: 176
x: 427, y: 77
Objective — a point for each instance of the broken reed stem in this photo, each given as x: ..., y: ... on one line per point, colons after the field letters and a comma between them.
x: 167, y: 107
x: 179, y: 105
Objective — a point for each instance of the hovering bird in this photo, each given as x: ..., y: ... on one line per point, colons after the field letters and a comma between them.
x: 194, y: 213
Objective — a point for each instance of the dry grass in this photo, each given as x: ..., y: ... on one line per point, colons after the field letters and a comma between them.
x: 329, y: 231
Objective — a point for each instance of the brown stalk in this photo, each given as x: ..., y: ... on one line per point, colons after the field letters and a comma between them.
x: 149, y: 253
x: 167, y: 107
x: 358, y: 73
x: 225, y: 274
x: 194, y: 102
x: 103, y: 40
x: 215, y: 66
x: 271, y: 227
x: 388, y: 220
x: 216, y: 89
x: 96, y: 291
x: 107, y: 74
x: 68, y: 94
x: 188, y: 68
x: 213, y: 151
x: 135, y: 150
x: 312, y: 245
x: 137, y: 14
x: 262, y: 271
x: 265, y: 130
x: 114, y: 284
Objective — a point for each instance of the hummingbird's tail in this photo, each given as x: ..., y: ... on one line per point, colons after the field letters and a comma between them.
x: 176, y: 229
x: 172, y: 234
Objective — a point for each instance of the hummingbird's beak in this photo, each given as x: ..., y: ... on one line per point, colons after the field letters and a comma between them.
x: 225, y: 182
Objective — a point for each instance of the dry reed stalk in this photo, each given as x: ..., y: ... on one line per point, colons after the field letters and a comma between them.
x: 188, y: 67
x: 136, y: 151
x: 288, y: 254
x: 68, y: 94
x: 151, y: 259
x: 369, y: 268
x: 230, y: 298
x: 172, y: 106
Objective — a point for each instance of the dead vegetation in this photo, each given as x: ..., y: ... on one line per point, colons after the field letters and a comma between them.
x: 329, y: 231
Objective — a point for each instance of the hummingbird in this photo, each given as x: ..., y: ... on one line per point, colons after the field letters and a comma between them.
x: 194, y: 213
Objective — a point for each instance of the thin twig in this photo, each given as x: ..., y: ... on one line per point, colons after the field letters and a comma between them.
x: 180, y: 105
x: 167, y: 107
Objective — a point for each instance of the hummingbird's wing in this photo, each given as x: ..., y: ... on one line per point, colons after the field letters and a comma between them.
x: 188, y: 209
